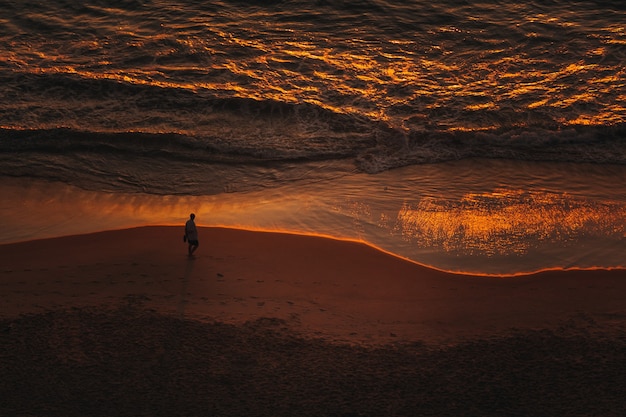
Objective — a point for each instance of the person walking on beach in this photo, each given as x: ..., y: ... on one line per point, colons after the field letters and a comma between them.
x: 191, y: 234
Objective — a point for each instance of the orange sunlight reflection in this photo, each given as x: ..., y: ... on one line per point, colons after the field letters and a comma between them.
x: 357, y: 75
x: 507, y: 221
x: 367, y: 82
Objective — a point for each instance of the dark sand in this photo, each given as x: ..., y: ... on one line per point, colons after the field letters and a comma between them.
x: 123, y: 323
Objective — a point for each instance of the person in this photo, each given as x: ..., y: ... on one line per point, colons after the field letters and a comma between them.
x: 191, y: 234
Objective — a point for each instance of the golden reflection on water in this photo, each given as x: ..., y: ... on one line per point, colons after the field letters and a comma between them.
x: 507, y: 222
x: 371, y: 80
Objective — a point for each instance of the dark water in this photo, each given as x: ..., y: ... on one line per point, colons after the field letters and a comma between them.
x: 220, y: 98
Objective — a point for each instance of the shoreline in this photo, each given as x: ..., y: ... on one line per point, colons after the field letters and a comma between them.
x: 336, y: 290
x: 582, y: 230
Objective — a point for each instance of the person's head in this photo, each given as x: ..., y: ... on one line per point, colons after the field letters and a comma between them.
x: 192, y: 216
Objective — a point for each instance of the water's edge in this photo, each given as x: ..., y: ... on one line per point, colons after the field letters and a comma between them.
x: 488, y: 217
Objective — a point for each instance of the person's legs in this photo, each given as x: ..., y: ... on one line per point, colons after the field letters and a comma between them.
x: 193, y: 245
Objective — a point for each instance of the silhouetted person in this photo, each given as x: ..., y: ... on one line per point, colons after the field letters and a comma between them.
x: 191, y: 233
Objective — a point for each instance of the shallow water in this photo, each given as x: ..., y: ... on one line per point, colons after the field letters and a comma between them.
x: 504, y: 218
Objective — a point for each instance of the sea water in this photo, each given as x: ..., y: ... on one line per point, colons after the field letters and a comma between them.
x: 471, y: 136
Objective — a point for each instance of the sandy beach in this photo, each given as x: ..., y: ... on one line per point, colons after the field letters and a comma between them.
x: 257, y: 323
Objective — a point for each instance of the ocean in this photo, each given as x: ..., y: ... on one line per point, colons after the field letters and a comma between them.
x: 470, y: 136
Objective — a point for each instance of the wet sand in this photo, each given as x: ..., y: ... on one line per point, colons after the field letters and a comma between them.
x: 125, y: 323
